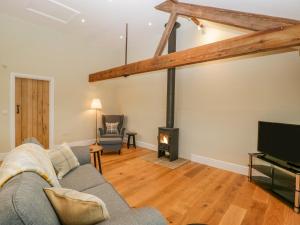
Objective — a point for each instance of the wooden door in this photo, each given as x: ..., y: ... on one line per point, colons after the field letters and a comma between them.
x: 32, y: 110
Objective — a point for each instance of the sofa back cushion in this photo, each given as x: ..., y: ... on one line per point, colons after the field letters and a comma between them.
x: 24, y: 202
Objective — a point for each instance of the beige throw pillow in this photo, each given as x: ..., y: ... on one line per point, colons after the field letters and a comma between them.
x: 63, y: 160
x: 112, y: 128
x: 76, y: 208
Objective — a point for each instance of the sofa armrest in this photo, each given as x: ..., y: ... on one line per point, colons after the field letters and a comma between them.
x: 82, y: 153
x: 142, y: 216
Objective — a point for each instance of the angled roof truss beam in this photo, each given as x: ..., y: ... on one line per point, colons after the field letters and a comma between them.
x: 272, y: 33
x: 250, y: 21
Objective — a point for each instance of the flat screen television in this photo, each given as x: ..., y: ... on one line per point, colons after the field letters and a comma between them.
x: 281, y: 141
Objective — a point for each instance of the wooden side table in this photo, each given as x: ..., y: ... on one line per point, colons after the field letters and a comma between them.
x: 96, y: 151
x: 131, y: 135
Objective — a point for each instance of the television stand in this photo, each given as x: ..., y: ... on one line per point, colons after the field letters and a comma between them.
x: 277, y: 177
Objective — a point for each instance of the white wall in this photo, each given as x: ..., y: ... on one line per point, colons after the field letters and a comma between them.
x: 32, y: 49
x: 218, y: 104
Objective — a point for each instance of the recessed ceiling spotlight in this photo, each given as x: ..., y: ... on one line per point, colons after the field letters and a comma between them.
x: 150, y: 24
x: 82, y: 20
x: 121, y: 37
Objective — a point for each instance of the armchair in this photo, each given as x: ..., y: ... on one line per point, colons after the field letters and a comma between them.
x: 112, y: 142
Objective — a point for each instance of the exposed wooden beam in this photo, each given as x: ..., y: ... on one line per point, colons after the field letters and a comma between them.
x: 244, y: 20
x: 165, y: 37
x: 262, y: 41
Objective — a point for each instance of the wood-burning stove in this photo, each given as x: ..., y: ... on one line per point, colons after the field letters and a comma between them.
x: 168, y: 142
x: 168, y: 136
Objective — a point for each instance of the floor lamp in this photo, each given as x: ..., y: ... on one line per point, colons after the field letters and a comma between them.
x: 96, y: 105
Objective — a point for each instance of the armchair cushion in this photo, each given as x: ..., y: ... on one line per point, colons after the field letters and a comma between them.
x: 112, y: 136
x: 110, y: 140
x: 112, y: 128
x: 112, y: 119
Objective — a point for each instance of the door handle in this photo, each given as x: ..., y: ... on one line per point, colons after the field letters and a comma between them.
x: 18, y: 109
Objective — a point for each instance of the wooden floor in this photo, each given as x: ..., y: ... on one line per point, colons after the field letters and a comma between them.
x: 194, y: 193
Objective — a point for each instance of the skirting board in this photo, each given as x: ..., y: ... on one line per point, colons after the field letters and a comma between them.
x: 142, y: 144
x: 92, y: 141
x: 232, y: 167
x: 146, y: 145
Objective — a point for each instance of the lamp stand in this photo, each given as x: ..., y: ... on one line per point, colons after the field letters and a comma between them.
x: 96, y: 127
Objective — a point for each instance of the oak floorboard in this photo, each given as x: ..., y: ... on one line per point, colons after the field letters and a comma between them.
x: 234, y: 216
x: 193, y: 193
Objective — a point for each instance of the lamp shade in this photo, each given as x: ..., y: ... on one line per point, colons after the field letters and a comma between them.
x: 96, y: 104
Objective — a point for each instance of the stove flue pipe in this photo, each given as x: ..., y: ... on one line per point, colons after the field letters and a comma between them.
x: 171, y: 80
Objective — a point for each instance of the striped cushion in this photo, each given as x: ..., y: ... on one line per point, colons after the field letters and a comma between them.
x: 63, y: 159
x: 112, y: 128
x: 77, y: 208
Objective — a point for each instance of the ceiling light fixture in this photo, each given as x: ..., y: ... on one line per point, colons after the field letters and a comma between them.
x: 83, y: 20
x: 200, y: 27
x: 150, y: 24
x: 121, y: 37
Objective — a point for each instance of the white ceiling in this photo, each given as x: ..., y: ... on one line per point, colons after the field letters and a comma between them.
x: 105, y: 19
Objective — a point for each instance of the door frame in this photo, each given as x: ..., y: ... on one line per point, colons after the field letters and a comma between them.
x: 13, y: 77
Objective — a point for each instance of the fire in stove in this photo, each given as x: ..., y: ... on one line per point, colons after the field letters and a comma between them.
x: 164, y: 139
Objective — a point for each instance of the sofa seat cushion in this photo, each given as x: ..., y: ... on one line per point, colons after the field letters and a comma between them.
x: 141, y: 216
x: 82, y: 178
x: 24, y: 202
x: 113, y: 201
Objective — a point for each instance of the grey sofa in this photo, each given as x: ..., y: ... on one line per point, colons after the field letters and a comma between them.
x: 23, y: 201
x: 112, y: 142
